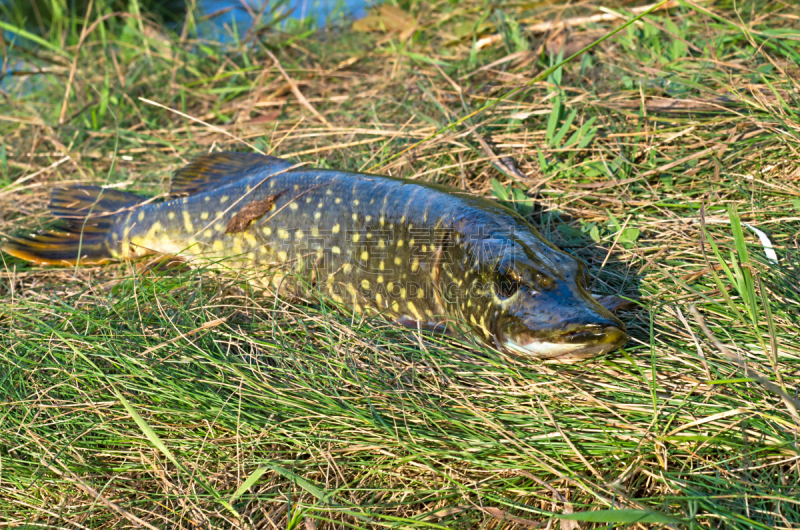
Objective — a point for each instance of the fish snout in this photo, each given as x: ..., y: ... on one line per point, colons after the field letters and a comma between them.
x: 568, y: 327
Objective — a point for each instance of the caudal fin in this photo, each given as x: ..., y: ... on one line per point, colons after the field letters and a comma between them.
x: 87, y: 214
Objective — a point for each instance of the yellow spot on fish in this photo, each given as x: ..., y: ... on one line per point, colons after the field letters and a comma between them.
x: 317, y: 215
x: 380, y: 279
x: 204, y: 216
x: 347, y: 267
x: 282, y: 255
x: 381, y: 244
x: 402, y: 292
x: 381, y: 265
x: 398, y: 261
x: 355, y: 217
x: 356, y: 237
x: 365, y: 284
x: 368, y: 218
x: 381, y: 220
x: 378, y: 298
x: 298, y: 234
x: 250, y: 238
x: 411, y: 242
x: 328, y: 192
x: 217, y: 246
x: 314, y: 231
x: 171, y: 216
x: 293, y: 205
x: 414, y: 265
x: 223, y: 199
x: 336, y: 250
x: 335, y: 229
x: 413, y: 309
x: 337, y: 200
x: 395, y: 306
x: 187, y: 222
x: 472, y: 319
x: 140, y: 216
x: 309, y: 199
x: 364, y: 256
x: 208, y: 197
x: 219, y: 227
x: 267, y: 231
x: 283, y: 234
x: 399, y: 243
x: 208, y: 234
x: 237, y: 245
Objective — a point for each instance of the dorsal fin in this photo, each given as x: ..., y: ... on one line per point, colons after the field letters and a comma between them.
x: 208, y: 172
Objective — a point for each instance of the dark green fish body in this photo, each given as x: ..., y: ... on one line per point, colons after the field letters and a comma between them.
x: 419, y: 253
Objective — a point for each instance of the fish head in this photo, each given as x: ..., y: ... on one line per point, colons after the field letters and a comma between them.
x: 534, y: 303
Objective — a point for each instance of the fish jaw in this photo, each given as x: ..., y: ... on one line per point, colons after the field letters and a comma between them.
x: 579, y: 344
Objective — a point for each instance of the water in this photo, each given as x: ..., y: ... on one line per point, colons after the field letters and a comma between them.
x: 314, y: 13
x: 306, y: 13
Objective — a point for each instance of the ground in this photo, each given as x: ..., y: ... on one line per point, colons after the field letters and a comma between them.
x: 666, y: 157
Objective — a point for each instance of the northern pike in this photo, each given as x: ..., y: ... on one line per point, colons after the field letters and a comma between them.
x: 424, y: 255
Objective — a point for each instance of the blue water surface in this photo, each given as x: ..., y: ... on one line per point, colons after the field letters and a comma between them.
x: 232, y: 17
x: 317, y: 13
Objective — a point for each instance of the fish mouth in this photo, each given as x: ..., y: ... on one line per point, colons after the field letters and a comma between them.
x: 579, y: 344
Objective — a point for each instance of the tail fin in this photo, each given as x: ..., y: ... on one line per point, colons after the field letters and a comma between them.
x: 87, y: 214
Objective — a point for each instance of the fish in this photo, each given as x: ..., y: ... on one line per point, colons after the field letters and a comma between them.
x: 421, y: 254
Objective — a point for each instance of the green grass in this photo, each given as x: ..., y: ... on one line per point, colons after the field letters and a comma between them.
x: 192, y: 400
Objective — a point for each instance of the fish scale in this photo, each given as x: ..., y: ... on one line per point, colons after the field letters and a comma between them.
x: 419, y: 253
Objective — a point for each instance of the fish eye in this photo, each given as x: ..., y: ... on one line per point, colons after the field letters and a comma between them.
x: 543, y: 282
